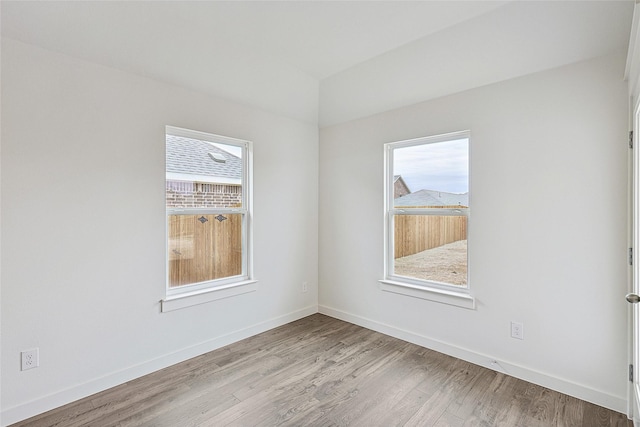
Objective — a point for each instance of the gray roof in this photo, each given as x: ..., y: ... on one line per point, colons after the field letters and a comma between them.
x: 432, y: 198
x: 191, y: 157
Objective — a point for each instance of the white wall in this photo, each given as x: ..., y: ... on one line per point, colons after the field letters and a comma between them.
x: 547, y: 229
x: 632, y: 70
x: 499, y: 45
x: 83, y: 226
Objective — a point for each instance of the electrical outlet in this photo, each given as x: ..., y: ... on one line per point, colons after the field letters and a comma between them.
x: 517, y: 330
x: 305, y: 286
x: 29, y: 359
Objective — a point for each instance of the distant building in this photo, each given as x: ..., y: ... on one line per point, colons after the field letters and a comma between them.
x: 200, y: 174
x: 400, y: 188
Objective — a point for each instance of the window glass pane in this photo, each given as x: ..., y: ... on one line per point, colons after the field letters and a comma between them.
x: 190, y: 194
x: 207, y: 202
x: 204, y: 247
x: 433, y: 175
x: 431, y: 247
x: 428, y: 209
x: 202, y: 174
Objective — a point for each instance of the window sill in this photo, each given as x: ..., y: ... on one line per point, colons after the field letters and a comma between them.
x: 458, y: 299
x: 188, y: 299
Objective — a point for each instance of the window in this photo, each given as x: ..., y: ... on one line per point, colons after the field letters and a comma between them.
x: 427, y: 212
x: 208, y: 179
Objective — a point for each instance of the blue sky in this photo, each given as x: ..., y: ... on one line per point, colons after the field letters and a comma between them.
x: 442, y: 166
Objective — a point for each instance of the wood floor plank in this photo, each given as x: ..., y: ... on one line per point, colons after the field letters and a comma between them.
x: 455, y: 385
x: 381, y: 395
x: 449, y: 420
x: 278, y: 392
x: 569, y: 411
x: 502, y: 404
x: 323, y: 372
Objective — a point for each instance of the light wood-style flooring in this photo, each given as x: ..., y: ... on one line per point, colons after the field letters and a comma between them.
x: 319, y: 371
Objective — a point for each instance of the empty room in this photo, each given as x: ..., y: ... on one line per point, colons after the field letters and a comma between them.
x: 319, y: 213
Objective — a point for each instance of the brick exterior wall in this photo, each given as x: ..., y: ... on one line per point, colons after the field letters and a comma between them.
x: 399, y: 188
x: 182, y: 194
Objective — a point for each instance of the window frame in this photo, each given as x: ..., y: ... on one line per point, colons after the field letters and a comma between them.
x: 426, y: 289
x: 222, y: 286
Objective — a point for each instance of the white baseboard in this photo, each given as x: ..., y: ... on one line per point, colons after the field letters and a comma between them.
x: 579, y: 391
x: 63, y: 397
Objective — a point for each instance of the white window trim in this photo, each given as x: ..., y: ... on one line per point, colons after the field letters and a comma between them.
x: 445, y: 296
x: 423, y: 289
x: 201, y: 178
x: 189, y: 299
x: 199, y: 293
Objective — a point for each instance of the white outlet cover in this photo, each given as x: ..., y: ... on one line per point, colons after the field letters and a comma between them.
x: 29, y: 359
x: 517, y: 330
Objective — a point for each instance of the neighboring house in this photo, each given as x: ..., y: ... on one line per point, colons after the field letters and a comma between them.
x: 432, y: 198
x: 200, y: 174
x: 400, y: 188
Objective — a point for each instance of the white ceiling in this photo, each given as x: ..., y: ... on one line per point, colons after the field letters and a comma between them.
x: 324, y: 61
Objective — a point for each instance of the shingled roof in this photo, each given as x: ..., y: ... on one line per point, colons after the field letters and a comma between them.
x: 188, y: 156
x: 432, y: 198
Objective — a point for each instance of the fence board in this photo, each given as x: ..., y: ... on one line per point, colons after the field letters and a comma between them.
x: 417, y: 233
x: 201, y: 251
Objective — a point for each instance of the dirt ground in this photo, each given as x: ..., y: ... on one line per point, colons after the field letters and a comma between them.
x: 446, y: 264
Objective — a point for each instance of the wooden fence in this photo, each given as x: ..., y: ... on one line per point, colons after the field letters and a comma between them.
x: 417, y: 233
x: 203, y: 248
